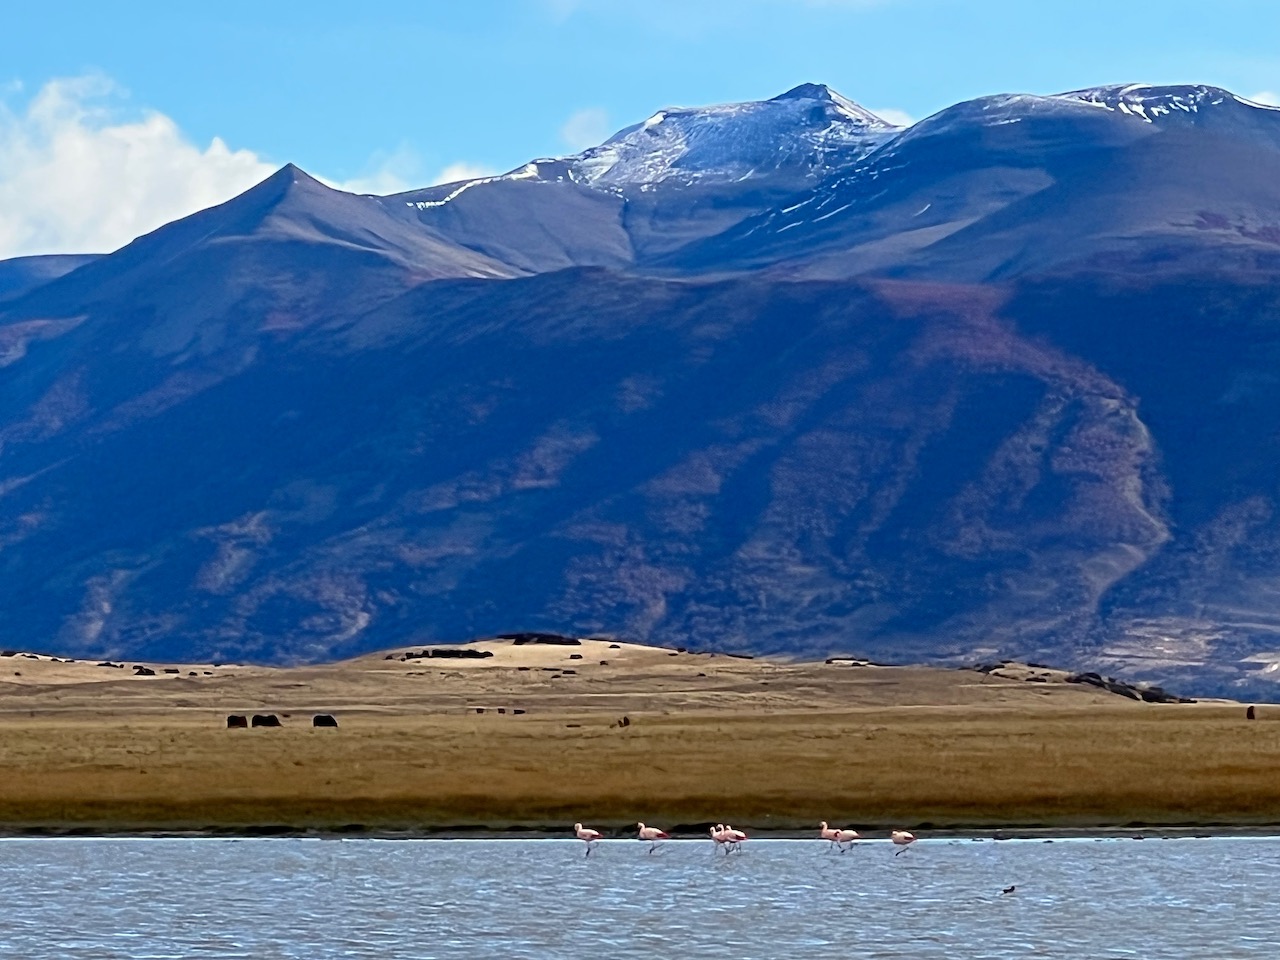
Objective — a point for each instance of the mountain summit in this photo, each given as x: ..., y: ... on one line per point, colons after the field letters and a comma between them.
x: 821, y: 93
x: 772, y: 376
x: 810, y: 129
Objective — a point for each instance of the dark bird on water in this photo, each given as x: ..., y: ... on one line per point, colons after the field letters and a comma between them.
x: 1009, y: 889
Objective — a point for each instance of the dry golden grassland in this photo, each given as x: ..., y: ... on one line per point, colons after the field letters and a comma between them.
x: 762, y: 744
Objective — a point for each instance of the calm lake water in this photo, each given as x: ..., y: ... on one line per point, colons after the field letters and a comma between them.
x: 313, y: 899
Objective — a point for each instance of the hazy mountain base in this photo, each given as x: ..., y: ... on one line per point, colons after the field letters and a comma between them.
x: 901, y: 470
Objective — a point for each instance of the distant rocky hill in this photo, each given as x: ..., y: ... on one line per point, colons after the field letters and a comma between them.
x: 764, y: 377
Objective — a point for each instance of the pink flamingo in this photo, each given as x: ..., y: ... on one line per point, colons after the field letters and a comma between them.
x: 586, y: 835
x: 734, y: 837
x: 829, y: 834
x: 727, y: 837
x: 652, y: 834
x: 717, y: 834
x: 903, y: 839
x: 846, y: 836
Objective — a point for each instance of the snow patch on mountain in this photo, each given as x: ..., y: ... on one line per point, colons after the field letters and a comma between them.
x: 1136, y: 102
x: 528, y: 172
x: 1146, y: 102
x: 810, y: 128
x: 1258, y: 104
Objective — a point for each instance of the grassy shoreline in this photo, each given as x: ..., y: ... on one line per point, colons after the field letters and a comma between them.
x: 773, y: 747
x: 958, y: 769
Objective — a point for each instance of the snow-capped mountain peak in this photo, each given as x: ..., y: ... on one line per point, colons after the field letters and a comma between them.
x: 806, y: 132
x: 809, y: 129
x: 821, y: 93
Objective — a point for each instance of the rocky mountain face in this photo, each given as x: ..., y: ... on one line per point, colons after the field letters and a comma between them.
x: 766, y: 377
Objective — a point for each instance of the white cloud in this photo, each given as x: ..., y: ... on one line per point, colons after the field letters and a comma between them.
x: 463, y: 171
x: 402, y: 170
x: 899, y: 118
x: 1268, y: 97
x: 77, y: 178
x: 586, y: 128
x: 393, y: 172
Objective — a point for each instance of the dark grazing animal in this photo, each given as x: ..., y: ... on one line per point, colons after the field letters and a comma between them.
x: 447, y: 653
x: 555, y: 639
x: 265, y: 720
x: 236, y: 721
x: 324, y: 720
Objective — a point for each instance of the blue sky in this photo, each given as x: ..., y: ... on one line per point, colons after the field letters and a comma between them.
x: 395, y: 94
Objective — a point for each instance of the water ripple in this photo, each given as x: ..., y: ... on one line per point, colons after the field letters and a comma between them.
x: 316, y: 899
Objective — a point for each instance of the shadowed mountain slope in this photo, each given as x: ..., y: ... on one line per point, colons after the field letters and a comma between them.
x: 23, y: 274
